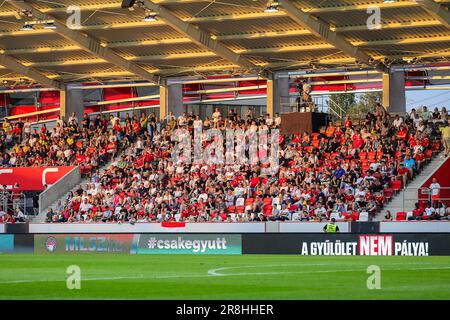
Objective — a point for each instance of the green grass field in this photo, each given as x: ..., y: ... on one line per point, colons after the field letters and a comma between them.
x: 103, y: 276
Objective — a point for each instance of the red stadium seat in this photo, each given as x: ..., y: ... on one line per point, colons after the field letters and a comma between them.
x: 240, y: 209
x: 231, y: 209
x: 396, y: 185
x: 249, y: 201
x: 388, y: 192
x: 371, y: 155
x: 401, y: 216
x: 267, y: 210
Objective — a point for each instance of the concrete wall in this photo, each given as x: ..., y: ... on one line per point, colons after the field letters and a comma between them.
x: 146, y: 227
x: 253, y: 227
x: 310, y: 226
x: 415, y: 226
x: 57, y: 190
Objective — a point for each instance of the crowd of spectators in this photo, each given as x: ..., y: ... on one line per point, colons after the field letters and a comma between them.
x: 343, y: 172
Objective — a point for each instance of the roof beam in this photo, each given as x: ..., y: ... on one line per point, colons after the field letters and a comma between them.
x: 439, y: 11
x: 206, y: 68
x: 252, y: 51
x: 189, y: 55
x: 200, y: 36
x: 117, y: 6
x: 230, y: 17
x: 87, y: 43
x: 322, y: 30
x: 14, y: 65
x: 314, y: 10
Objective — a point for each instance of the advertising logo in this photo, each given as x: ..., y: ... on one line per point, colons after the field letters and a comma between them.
x: 190, y: 244
x: 100, y: 243
x: 50, y: 244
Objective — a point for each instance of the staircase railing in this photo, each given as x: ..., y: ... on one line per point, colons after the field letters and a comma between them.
x: 336, y: 110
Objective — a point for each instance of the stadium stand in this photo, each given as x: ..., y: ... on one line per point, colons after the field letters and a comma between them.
x: 348, y: 172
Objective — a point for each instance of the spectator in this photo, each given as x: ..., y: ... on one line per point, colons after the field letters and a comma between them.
x: 435, y: 189
x: 19, y: 215
x: 388, y: 216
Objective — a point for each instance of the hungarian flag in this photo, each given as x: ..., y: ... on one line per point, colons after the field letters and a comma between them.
x: 173, y: 224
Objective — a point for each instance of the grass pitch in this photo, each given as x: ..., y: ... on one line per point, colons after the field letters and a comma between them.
x: 271, y: 277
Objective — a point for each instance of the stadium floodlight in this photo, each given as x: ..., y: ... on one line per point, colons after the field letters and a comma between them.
x: 150, y: 17
x: 389, y: 1
x: 271, y: 7
x: 27, y: 27
x: 49, y: 25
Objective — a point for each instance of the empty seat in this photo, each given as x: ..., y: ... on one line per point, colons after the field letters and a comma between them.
x: 388, y: 193
x: 396, y: 185
x: 240, y: 209
x: 267, y: 210
x: 401, y: 216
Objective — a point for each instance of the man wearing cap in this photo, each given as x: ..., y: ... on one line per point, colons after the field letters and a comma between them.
x: 331, y: 227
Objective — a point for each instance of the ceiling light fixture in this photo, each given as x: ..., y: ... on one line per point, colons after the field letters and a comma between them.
x: 272, y: 7
x: 49, y: 25
x: 27, y: 27
x: 150, y: 17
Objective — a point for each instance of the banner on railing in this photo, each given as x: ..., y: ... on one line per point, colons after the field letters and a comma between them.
x: 431, y: 244
x: 33, y: 178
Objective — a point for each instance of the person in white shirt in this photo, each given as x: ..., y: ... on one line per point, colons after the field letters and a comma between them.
x: 398, y: 121
x: 198, y: 123
x: 73, y: 119
x: 85, y: 206
x: 19, y: 216
x: 435, y: 189
x: 429, y: 212
x: 320, y: 211
x: 277, y: 119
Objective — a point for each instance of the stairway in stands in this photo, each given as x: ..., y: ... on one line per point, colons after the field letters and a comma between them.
x: 42, y: 215
x: 405, y: 199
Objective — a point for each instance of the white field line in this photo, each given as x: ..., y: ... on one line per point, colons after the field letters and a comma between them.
x: 215, y: 273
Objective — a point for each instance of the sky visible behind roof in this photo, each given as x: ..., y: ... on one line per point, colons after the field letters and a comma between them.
x: 429, y: 98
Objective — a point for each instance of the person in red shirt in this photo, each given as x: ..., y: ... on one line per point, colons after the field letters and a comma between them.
x: 402, y: 173
x: 402, y: 133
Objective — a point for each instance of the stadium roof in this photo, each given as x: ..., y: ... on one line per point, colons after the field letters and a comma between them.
x: 201, y: 37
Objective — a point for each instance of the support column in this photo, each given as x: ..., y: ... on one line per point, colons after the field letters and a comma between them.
x: 162, y: 102
x: 62, y: 103
x: 270, y: 98
x: 175, y: 99
x: 394, y: 99
x: 74, y: 103
x: 171, y: 100
x: 276, y: 90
